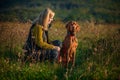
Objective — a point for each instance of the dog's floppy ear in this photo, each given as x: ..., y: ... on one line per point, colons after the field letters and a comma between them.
x: 68, y: 26
x: 78, y: 27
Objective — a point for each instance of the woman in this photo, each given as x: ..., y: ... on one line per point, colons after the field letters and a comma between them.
x: 37, y: 44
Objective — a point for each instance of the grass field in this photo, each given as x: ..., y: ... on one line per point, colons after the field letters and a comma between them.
x: 97, y: 56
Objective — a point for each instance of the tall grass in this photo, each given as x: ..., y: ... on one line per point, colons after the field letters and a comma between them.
x: 97, y: 56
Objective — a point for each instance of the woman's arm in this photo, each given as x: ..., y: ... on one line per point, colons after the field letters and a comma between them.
x: 39, y: 39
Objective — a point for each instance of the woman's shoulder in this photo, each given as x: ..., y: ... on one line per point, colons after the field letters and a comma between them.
x: 38, y: 26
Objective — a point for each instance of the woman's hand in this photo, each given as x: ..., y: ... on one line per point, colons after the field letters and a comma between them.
x: 57, y: 48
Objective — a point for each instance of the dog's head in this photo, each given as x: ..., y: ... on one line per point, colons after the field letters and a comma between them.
x: 72, y: 27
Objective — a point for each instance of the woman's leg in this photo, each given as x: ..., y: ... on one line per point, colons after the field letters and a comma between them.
x: 54, y: 53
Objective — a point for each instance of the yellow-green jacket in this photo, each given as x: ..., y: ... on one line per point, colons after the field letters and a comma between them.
x: 38, y: 33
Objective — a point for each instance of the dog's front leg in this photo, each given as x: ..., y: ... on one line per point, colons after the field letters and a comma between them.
x: 67, y: 58
x: 66, y: 65
x: 73, y: 62
x: 73, y: 59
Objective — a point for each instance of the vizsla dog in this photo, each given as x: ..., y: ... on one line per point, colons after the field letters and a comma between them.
x: 70, y: 43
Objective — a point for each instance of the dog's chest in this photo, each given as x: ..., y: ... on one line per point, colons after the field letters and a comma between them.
x: 74, y: 42
x: 70, y: 42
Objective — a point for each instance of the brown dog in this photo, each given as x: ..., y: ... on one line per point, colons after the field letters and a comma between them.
x: 70, y: 43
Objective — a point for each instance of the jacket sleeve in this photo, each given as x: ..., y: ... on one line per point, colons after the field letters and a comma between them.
x: 39, y: 38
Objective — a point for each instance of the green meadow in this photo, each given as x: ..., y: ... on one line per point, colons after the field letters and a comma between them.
x: 98, y: 51
x: 97, y: 56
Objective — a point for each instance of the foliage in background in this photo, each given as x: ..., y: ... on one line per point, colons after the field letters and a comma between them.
x: 102, y: 11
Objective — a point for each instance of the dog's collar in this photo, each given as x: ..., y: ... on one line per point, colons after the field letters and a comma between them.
x: 70, y: 34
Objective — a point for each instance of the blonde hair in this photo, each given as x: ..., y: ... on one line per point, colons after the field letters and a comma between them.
x: 43, y: 18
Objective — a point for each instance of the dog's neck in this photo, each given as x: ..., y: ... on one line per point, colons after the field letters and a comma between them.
x: 70, y: 33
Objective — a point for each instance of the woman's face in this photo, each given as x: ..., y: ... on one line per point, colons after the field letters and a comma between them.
x: 50, y: 19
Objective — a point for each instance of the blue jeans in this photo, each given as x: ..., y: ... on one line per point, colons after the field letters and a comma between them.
x: 53, y: 54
